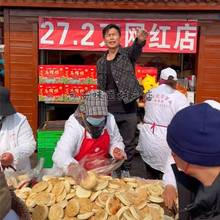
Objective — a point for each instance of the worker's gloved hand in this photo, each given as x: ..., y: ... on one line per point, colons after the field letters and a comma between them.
x: 76, y: 171
x: 6, y: 159
x: 119, y: 154
x: 170, y: 196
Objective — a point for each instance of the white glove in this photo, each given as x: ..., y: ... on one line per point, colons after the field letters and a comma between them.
x: 76, y: 171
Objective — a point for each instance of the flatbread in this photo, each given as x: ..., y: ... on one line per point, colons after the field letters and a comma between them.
x: 128, y: 216
x: 103, y: 197
x: 85, y: 215
x: 62, y: 196
x: 101, y: 214
x: 56, y: 212
x: 49, y: 188
x: 63, y: 204
x: 67, y: 186
x: 101, y: 184
x: 40, y: 213
x: 134, y: 212
x: 95, y: 195
x: 52, y: 200
x: 85, y: 205
x: 70, y: 196
x: 121, y: 211
x: 39, y: 187
x: 89, y: 182
x: 58, y: 188
x: 30, y: 201
x: 82, y: 193
x: 155, y: 199
x: 72, y: 208
x: 43, y: 198
x: 123, y: 198
x: 112, y: 205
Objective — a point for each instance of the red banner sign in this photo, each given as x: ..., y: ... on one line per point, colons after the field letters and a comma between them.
x: 86, y: 34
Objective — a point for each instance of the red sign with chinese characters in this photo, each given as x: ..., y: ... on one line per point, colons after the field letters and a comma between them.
x: 86, y: 34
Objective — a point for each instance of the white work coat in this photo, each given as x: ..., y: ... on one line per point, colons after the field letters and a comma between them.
x: 70, y: 142
x: 16, y: 137
x: 161, y: 104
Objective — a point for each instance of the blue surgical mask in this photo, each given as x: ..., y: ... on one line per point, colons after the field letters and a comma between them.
x: 95, y: 121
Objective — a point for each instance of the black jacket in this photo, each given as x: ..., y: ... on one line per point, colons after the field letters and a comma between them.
x: 197, y: 202
x: 123, y: 72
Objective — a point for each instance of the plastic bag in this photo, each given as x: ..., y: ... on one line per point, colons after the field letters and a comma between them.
x: 100, y: 164
x: 24, y: 178
x: 107, y: 169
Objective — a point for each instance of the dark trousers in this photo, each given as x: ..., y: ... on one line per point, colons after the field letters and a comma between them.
x: 151, y: 173
x: 127, y: 124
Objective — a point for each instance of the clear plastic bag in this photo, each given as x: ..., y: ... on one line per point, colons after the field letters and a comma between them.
x: 19, y: 179
x: 112, y: 166
x: 100, y: 164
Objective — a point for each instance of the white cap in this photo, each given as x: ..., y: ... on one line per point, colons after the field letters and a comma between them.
x: 166, y: 73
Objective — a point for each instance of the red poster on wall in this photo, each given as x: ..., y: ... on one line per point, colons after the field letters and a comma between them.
x: 86, y: 34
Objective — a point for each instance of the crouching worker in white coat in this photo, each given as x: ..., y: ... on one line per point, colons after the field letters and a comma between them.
x: 161, y: 104
x: 16, y: 137
x: 90, y: 131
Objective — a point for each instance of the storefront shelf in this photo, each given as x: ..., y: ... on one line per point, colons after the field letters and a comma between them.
x: 62, y: 103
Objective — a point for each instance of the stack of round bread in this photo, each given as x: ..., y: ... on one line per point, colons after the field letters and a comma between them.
x: 97, y: 198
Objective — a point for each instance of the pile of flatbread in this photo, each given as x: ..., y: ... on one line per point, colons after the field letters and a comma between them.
x: 96, y: 198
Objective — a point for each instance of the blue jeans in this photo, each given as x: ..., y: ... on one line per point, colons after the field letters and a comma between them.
x: 11, y: 216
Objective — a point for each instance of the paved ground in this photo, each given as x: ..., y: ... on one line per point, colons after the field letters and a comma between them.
x: 138, y: 167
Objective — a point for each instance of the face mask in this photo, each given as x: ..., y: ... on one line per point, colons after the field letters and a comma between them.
x: 95, y: 121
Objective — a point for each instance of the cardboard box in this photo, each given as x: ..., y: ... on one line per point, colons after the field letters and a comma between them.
x: 51, y: 74
x: 50, y: 92
x: 80, y: 74
x: 75, y: 93
x: 142, y: 72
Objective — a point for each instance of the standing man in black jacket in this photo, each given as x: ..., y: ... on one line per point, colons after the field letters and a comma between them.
x: 116, y: 76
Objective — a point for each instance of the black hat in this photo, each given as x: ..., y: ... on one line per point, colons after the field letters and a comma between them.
x: 6, y: 108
